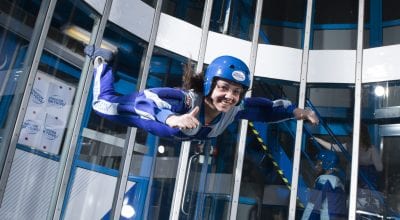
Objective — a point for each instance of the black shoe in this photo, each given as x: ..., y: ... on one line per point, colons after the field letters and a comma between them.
x: 94, y: 52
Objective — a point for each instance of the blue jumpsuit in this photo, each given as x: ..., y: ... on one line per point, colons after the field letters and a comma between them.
x: 150, y: 108
x: 328, y: 199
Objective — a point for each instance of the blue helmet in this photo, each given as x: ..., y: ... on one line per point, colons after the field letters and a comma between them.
x: 328, y: 158
x: 229, y: 68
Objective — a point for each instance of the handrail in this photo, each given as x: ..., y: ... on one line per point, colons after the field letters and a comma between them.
x: 310, y: 161
x: 186, y: 183
x: 327, y: 128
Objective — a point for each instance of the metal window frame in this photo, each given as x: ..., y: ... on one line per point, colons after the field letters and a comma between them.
x: 238, y: 166
x: 299, y: 127
x: 31, y: 64
x: 185, y: 146
x: 357, y: 112
x: 73, y: 128
x: 132, y: 131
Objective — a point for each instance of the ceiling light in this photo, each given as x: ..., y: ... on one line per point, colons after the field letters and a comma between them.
x: 83, y: 36
x: 161, y: 149
x: 379, y: 91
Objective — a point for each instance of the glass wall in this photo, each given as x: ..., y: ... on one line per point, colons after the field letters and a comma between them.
x: 103, y: 142
x: 378, y: 173
x: 325, y: 165
x: 267, y: 168
x: 54, y: 88
x: 159, y: 164
x: 57, y: 120
x: 334, y: 25
x: 326, y: 152
x: 390, y: 22
x: 16, y: 27
x: 283, y: 23
x: 381, y: 23
x: 233, y: 17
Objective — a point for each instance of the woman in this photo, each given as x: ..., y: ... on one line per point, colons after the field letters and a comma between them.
x: 328, y: 199
x: 369, y: 160
x: 202, y: 110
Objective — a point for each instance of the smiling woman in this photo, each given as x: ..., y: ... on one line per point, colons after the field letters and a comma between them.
x: 195, y: 112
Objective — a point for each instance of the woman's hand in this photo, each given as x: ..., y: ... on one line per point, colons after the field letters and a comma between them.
x: 185, y: 121
x: 306, y: 114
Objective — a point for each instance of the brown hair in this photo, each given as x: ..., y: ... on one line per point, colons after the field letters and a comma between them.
x: 195, y: 81
x: 191, y: 79
x: 365, y: 139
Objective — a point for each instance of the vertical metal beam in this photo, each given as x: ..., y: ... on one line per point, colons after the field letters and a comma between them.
x: 299, y: 127
x: 205, y: 25
x: 180, y: 181
x: 357, y: 113
x: 201, y: 189
x: 185, y: 147
x: 129, y: 145
x: 237, y: 175
x: 376, y: 23
x: 31, y: 64
x: 74, y: 124
x: 150, y: 183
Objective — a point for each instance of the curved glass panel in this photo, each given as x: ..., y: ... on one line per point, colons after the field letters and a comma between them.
x: 205, y: 195
x: 103, y: 141
x: 233, y: 17
x: 335, y: 25
x: 377, y: 195
x: 267, y: 167
x: 158, y: 165
x: 325, y: 164
x: 53, y: 93
x: 17, y: 22
x: 283, y: 23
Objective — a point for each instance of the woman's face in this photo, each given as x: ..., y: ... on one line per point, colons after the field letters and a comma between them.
x: 225, y: 95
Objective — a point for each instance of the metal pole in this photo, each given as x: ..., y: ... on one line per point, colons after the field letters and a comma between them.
x: 357, y: 113
x: 180, y: 181
x: 129, y: 145
x: 185, y: 147
x: 202, y: 182
x: 237, y: 175
x: 31, y: 64
x: 302, y: 97
x: 74, y: 124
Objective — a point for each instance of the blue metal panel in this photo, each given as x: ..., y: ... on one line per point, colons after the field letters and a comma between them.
x: 312, y: 28
x: 60, y: 65
x: 391, y: 23
x: 38, y: 152
x: 376, y: 30
x: 287, y: 24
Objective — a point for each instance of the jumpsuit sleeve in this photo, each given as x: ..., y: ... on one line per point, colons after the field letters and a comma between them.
x: 148, y: 109
x: 159, y: 103
x: 265, y: 110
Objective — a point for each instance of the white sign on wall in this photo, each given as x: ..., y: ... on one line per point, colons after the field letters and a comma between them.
x: 47, y: 113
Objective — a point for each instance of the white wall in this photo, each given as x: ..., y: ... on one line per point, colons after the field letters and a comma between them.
x: 276, y: 62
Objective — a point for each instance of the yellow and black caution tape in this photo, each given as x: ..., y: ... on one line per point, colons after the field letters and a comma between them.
x: 276, y: 165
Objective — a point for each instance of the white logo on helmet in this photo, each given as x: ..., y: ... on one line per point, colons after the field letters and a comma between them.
x: 239, y: 76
